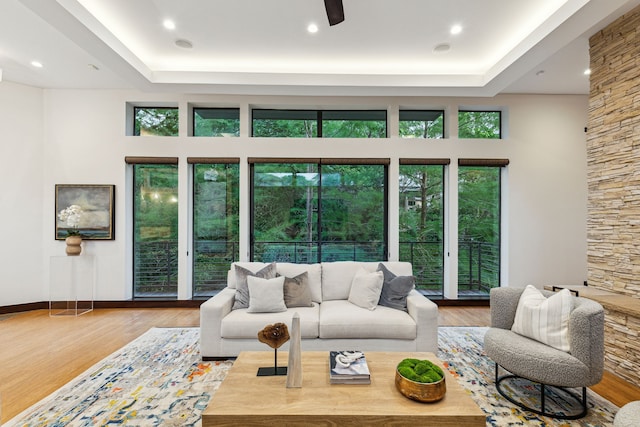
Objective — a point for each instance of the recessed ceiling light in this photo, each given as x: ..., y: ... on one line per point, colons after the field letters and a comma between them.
x: 93, y: 67
x: 539, y: 72
x: 442, y: 48
x: 169, y: 24
x: 183, y: 43
x: 587, y: 71
x: 312, y: 28
x: 37, y: 64
x: 456, y: 29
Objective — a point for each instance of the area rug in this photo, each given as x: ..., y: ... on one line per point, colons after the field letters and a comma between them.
x: 159, y: 380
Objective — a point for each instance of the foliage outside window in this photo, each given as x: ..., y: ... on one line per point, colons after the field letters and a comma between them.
x: 309, y: 212
x: 422, y: 224
x: 155, y: 238
x: 154, y: 121
x: 480, y: 124
x: 319, y: 123
x: 216, y: 122
x: 215, y: 225
x: 422, y: 124
x: 478, y: 229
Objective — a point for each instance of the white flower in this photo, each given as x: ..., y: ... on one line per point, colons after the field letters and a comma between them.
x: 71, y: 216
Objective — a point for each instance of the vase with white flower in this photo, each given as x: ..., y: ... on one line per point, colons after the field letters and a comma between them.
x: 71, y: 216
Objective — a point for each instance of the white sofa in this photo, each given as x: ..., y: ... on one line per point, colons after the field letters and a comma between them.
x: 331, y: 323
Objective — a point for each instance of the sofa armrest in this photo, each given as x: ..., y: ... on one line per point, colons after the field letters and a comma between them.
x: 212, y: 312
x: 425, y: 313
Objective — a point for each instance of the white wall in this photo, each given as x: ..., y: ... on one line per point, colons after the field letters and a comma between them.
x: 84, y: 143
x: 21, y: 196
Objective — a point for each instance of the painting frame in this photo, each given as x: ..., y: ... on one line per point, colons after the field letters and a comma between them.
x: 98, y: 204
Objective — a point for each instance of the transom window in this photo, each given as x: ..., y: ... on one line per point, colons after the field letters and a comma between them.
x: 319, y: 123
x: 422, y: 124
x: 480, y: 124
x: 216, y: 122
x: 155, y: 121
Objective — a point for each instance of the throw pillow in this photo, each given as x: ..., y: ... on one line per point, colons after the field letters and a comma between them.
x: 395, y: 289
x: 266, y: 295
x: 242, y: 289
x: 366, y: 288
x: 544, y: 319
x: 297, y: 292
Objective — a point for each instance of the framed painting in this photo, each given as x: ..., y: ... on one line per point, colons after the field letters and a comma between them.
x: 87, y: 210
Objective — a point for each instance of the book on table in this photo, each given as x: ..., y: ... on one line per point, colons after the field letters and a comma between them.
x: 351, y: 368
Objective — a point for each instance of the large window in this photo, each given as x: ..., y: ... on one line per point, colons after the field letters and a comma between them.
x: 478, y: 227
x: 216, y: 122
x: 421, y: 216
x: 215, y: 223
x: 422, y: 124
x: 316, y: 211
x: 155, y: 121
x: 319, y: 123
x: 155, y: 237
x: 480, y: 124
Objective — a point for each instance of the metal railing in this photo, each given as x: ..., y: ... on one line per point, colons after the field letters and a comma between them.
x: 156, y: 263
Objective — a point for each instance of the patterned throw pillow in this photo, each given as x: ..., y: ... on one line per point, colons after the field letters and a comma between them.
x: 242, y: 288
x: 544, y: 319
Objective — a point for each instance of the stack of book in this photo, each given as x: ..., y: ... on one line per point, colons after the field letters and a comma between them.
x: 357, y: 371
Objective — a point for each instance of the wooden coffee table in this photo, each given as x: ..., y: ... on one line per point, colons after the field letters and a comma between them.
x: 245, y: 399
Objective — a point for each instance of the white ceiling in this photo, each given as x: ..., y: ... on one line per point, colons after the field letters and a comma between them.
x: 262, y: 46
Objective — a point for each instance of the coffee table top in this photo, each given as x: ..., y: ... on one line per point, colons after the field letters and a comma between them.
x: 244, y: 398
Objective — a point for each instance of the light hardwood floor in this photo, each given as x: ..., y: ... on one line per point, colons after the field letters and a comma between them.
x: 39, y: 354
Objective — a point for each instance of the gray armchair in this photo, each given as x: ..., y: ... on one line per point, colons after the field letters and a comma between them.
x: 534, y: 361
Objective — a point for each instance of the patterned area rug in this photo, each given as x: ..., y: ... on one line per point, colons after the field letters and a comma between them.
x: 461, y: 349
x: 159, y: 380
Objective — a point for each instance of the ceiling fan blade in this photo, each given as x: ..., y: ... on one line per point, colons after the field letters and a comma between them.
x: 335, y: 12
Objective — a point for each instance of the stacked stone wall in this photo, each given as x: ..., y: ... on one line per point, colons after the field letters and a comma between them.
x: 613, y: 174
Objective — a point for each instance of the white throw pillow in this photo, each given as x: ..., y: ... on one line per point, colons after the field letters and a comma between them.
x: 544, y: 319
x: 266, y: 295
x: 366, y: 288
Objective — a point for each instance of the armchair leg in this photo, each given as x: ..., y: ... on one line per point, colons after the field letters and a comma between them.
x: 581, y: 400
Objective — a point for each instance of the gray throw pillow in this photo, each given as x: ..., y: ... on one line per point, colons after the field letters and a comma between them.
x: 395, y: 289
x: 242, y: 288
x: 297, y: 292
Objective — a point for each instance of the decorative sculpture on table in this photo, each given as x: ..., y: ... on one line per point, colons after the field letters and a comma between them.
x: 274, y: 336
x: 294, y: 367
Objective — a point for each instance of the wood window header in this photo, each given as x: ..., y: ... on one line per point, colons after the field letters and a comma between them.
x: 132, y: 160
x: 483, y: 162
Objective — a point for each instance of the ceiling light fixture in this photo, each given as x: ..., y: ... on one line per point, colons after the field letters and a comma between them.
x: 539, y: 72
x: 456, y: 29
x: 93, y: 67
x: 169, y: 24
x: 184, y: 43
x: 587, y: 71
x: 37, y: 64
x: 312, y: 28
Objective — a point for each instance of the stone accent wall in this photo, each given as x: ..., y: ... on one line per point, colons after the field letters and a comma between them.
x: 613, y: 174
x: 622, y: 347
x: 613, y: 153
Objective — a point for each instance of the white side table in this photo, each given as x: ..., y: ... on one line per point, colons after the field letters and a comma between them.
x: 71, y: 281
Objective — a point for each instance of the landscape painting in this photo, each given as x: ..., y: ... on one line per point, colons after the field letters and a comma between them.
x: 96, y: 219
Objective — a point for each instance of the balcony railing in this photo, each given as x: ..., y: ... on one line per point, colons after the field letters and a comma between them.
x: 156, y: 263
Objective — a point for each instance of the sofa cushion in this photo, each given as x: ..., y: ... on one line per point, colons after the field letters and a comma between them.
x: 242, y: 288
x: 240, y: 324
x: 297, y: 292
x: 544, y: 319
x: 266, y: 295
x: 395, y: 289
x: 341, y: 319
x: 366, y: 288
x: 337, y: 276
x: 314, y: 272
